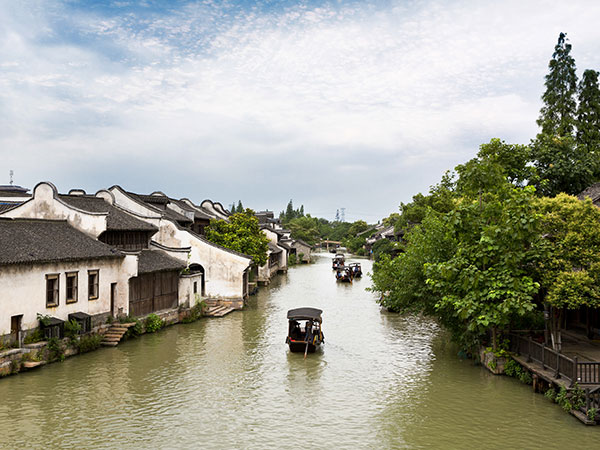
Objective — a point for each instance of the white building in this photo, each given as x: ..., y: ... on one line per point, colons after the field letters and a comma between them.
x: 225, y: 272
x: 48, y: 267
x: 154, y: 282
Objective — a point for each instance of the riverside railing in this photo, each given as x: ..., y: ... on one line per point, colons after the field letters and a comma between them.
x: 553, y: 360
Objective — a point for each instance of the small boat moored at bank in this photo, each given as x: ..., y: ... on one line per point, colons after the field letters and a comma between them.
x: 304, y: 330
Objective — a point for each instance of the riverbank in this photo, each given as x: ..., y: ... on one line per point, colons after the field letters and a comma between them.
x: 380, y: 380
x: 34, y: 355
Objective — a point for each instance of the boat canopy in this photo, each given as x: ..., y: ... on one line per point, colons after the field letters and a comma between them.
x: 304, y: 314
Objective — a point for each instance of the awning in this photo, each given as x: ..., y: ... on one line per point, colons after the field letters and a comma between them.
x: 79, y: 316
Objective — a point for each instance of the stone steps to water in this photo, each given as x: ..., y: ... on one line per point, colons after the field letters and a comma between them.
x: 218, y: 311
x: 115, y: 333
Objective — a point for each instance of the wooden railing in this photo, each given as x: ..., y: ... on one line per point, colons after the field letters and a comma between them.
x: 563, y: 366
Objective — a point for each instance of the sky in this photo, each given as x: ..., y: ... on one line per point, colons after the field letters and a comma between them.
x: 333, y: 104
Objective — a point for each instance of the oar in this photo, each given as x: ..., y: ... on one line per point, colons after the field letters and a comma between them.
x: 306, y: 350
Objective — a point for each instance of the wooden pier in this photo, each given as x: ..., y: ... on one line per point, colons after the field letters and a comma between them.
x: 577, y: 364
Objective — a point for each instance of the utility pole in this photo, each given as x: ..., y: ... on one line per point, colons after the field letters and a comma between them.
x: 343, y: 214
x: 337, y: 215
x: 11, y: 173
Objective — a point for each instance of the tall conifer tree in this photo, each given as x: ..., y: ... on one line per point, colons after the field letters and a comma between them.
x: 561, y: 165
x: 557, y: 116
x: 588, y: 112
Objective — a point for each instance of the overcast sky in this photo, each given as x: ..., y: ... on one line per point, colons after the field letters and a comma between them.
x: 333, y: 104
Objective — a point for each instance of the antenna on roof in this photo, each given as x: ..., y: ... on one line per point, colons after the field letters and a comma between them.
x: 11, y: 173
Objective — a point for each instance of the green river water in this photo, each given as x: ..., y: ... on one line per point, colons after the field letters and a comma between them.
x: 380, y: 381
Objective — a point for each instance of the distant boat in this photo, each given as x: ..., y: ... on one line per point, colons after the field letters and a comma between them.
x: 338, y: 261
x: 304, y: 330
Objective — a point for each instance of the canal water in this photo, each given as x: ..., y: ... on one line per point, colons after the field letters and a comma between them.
x: 380, y: 381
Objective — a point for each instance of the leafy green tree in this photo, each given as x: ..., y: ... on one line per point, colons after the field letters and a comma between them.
x: 384, y: 247
x: 562, y: 166
x: 305, y: 228
x: 557, y: 116
x: 515, y: 160
x: 242, y: 234
x: 570, y: 270
x: 440, y: 198
x: 588, y: 112
x: 487, y: 279
x: 401, y: 282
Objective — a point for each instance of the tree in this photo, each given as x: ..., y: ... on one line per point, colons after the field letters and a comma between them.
x: 401, y: 281
x: 588, y: 112
x: 242, y: 234
x: 487, y: 279
x: 440, y: 198
x: 289, y: 211
x: 240, y: 207
x: 515, y: 160
x: 304, y: 228
x: 570, y: 270
x: 563, y: 166
x: 557, y: 116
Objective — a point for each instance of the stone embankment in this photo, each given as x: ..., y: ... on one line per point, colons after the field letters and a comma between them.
x: 30, y: 356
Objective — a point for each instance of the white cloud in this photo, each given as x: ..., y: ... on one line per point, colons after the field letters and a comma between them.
x: 414, y: 88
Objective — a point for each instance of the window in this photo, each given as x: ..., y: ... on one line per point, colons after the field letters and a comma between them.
x: 51, y: 290
x: 93, y: 284
x: 71, y: 296
x: 195, y: 287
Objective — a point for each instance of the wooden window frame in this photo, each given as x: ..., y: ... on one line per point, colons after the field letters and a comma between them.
x: 75, y: 291
x: 93, y: 295
x: 55, y: 278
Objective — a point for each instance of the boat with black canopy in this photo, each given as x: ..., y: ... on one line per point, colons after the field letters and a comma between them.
x: 356, y: 270
x: 338, y: 261
x: 344, y: 274
x: 304, y: 329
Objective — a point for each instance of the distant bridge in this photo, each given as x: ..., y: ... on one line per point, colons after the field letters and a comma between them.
x: 327, y: 243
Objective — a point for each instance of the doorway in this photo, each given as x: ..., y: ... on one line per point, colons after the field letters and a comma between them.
x: 113, y: 295
x: 16, y: 335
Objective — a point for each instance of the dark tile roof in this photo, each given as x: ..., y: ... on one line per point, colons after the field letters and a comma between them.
x: 5, y: 206
x: 174, y: 215
x: 117, y: 219
x: 198, y: 213
x: 274, y: 248
x: 154, y: 199
x: 158, y: 261
x: 285, y: 244
x: 592, y: 192
x: 13, y: 188
x: 301, y: 242
x: 25, y: 241
x: 14, y: 194
x: 160, y: 202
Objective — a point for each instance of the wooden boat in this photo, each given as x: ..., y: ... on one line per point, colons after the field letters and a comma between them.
x: 344, y: 274
x: 356, y: 270
x: 304, y: 331
x: 338, y: 261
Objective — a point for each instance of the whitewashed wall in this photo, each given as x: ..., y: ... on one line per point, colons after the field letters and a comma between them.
x: 186, y: 289
x: 23, y: 289
x: 223, y: 270
x: 46, y: 205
